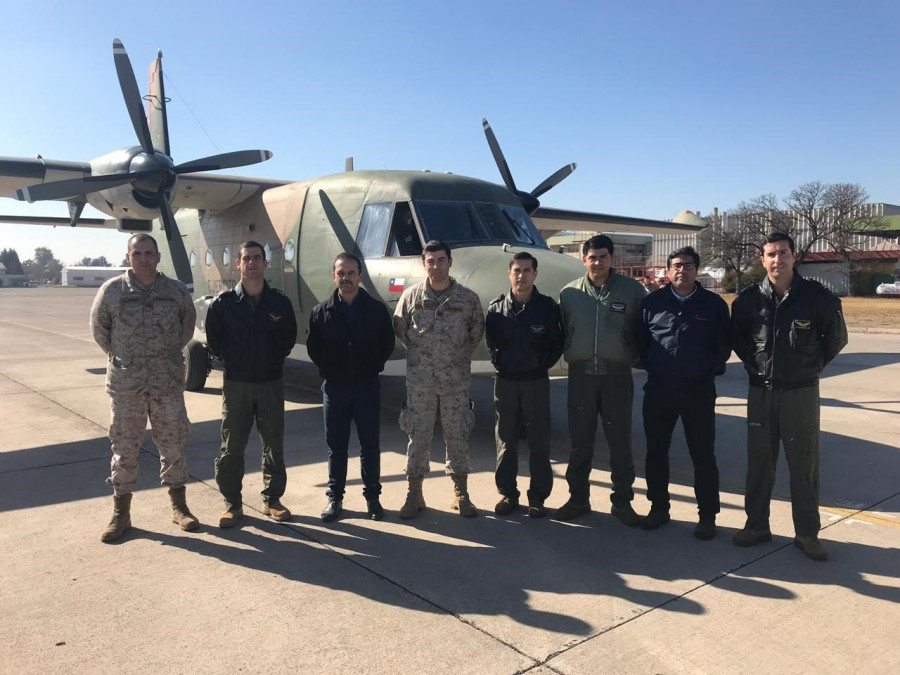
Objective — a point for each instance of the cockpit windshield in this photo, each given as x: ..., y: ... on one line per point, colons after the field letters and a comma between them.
x: 391, y: 229
x: 480, y: 222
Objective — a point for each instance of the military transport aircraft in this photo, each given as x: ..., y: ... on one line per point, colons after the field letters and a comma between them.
x: 383, y: 216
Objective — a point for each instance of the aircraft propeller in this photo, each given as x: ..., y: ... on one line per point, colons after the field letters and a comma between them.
x: 151, y: 173
x: 529, y: 199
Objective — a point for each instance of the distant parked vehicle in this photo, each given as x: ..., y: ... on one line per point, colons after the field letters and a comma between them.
x: 889, y: 289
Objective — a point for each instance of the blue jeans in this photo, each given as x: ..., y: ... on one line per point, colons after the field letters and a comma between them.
x: 343, y: 404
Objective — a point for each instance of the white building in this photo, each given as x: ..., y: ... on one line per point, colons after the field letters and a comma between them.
x: 89, y: 276
x: 880, y: 252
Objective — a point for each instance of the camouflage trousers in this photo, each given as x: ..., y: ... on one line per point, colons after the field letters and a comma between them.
x: 170, y: 426
x: 417, y: 418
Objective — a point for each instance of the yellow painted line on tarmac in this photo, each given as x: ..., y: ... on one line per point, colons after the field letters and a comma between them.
x: 867, y: 516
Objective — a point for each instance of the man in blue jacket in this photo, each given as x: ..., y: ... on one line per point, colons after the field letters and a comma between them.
x: 351, y: 336
x: 251, y: 329
x: 683, y: 338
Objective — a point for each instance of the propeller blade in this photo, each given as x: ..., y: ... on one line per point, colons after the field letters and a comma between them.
x: 553, y: 180
x: 157, y: 118
x: 227, y: 160
x: 498, y: 157
x: 132, y: 96
x: 176, y: 244
x: 63, y: 189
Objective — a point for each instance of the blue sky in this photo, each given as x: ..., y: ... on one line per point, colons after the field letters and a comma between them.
x: 664, y: 105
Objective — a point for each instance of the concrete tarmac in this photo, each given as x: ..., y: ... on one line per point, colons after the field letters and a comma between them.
x: 438, y: 594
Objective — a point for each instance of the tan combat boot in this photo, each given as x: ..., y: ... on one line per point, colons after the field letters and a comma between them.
x: 415, y: 500
x: 181, y: 515
x: 460, y: 501
x: 121, y: 519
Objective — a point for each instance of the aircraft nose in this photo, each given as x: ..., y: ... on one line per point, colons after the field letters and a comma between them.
x: 490, y: 277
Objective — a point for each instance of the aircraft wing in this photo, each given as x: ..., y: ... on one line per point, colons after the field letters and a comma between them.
x: 552, y: 221
x: 216, y: 192
x: 22, y: 172
x: 99, y: 223
x: 193, y: 190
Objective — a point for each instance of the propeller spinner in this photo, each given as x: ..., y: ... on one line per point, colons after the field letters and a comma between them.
x: 151, y: 172
x: 529, y: 199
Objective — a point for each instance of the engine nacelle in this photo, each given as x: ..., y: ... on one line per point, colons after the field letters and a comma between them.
x: 136, y: 201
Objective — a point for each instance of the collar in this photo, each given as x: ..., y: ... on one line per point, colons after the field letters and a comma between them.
x: 768, y: 289
x: 511, y: 301
x: 586, y: 280
x: 684, y: 298
x: 241, y: 293
x: 133, y: 285
x: 334, y: 300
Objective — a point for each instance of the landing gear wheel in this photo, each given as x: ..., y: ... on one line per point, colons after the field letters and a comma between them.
x: 196, y: 366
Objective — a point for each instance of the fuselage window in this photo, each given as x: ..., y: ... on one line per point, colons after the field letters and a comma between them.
x: 209, y: 257
x: 373, y: 229
x: 290, y: 250
x: 268, y: 251
x: 193, y: 259
x: 404, y: 235
x: 226, y: 257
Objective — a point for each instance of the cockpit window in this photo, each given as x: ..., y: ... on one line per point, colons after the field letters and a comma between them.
x: 404, y: 235
x: 373, y: 229
x: 510, y: 227
x: 524, y: 224
x: 464, y: 222
x: 450, y: 221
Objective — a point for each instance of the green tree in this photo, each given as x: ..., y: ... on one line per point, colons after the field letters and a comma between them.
x: 10, y: 258
x: 44, y: 267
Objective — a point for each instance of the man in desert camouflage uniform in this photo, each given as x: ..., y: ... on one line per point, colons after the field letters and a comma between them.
x: 142, y: 320
x: 440, y: 322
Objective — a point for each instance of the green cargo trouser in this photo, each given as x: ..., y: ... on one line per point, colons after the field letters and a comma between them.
x: 242, y: 403
x: 611, y: 397
x: 790, y: 416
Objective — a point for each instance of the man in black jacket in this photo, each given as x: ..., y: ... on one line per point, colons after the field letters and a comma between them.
x: 786, y: 329
x: 684, y: 342
x: 351, y: 336
x: 251, y: 329
x: 524, y: 334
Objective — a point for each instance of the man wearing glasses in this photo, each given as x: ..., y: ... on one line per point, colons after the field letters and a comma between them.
x: 684, y: 341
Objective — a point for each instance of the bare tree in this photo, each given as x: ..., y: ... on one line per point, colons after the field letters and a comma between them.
x: 815, y: 214
x: 730, y: 240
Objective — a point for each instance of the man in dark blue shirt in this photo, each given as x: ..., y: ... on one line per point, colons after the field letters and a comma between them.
x: 683, y: 337
x: 351, y: 336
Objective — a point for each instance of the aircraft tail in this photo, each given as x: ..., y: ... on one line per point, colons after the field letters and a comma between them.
x: 156, y: 107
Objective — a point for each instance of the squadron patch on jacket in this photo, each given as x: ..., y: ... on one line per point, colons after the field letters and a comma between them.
x: 617, y: 306
x: 802, y: 324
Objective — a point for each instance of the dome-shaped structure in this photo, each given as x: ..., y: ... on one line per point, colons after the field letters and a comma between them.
x: 688, y: 218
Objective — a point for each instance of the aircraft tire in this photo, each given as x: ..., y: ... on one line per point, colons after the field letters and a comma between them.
x: 196, y: 366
